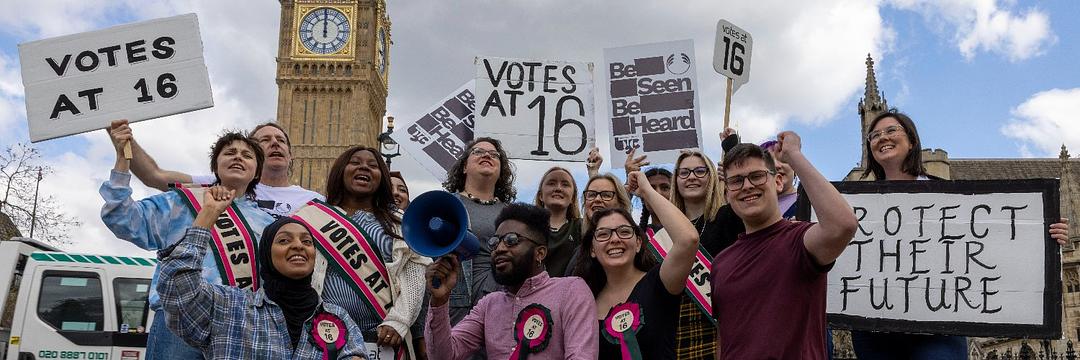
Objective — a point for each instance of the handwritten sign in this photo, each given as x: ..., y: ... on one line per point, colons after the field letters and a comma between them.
x: 438, y: 138
x: 731, y: 55
x: 81, y: 82
x: 653, y: 100
x: 967, y: 258
x: 539, y: 109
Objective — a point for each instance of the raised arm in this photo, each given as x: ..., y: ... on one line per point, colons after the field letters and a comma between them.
x: 836, y: 222
x: 462, y: 340
x: 684, y: 238
x: 592, y: 164
x: 142, y: 164
x: 189, y: 302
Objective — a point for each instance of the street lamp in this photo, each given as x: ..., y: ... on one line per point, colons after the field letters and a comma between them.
x: 387, y: 146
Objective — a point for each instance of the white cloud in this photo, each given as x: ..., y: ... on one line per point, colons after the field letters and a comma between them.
x: 988, y: 25
x: 807, y: 63
x: 1046, y: 121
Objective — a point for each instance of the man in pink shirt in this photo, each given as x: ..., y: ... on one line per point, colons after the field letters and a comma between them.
x: 534, y: 317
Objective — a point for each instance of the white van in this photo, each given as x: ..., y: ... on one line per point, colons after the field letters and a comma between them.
x: 72, y: 306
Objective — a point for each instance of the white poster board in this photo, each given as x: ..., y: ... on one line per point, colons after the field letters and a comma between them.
x: 439, y: 137
x: 653, y: 100
x: 81, y: 82
x: 538, y: 109
x: 950, y: 257
x: 731, y: 55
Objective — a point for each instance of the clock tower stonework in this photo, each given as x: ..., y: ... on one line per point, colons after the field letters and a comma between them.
x: 332, y: 67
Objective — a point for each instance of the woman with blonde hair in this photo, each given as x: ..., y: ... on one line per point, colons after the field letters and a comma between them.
x: 601, y: 192
x: 558, y: 194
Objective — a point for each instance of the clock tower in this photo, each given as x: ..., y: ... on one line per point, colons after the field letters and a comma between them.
x: 332, y: 67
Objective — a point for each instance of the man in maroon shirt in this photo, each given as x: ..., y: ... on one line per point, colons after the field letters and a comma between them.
x: 769, y: 286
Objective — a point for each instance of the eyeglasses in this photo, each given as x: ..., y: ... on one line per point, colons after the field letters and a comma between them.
x: 511, y: 240
x: 698, y: 172
x: 478, y: 152
x: 757, y: 178
x: 889, y: 132
x: 622, y: 231
x: 604, y: 195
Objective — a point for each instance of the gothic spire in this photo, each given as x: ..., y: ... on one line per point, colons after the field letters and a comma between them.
x: 871, y: 96
x: 1064, y: 154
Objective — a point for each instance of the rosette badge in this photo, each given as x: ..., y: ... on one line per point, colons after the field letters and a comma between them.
x: 621, y: 326
x: 532, y: 331
x: 328, y: 333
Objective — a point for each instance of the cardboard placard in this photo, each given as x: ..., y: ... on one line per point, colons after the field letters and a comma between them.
x: 81, y: 82
x: 438, y: 138
x: 971, y: 258
x: 653, y: 100
x: 538, y: 109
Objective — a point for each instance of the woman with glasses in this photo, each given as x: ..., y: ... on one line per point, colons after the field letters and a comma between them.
x: 601, y: 192
x: 558, y: 194
x: 637, y: 302
x: 483, y: 180
x: 896, y: 154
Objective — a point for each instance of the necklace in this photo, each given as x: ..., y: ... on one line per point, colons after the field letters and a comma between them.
x: 481, y: 202
x: 703, y: 224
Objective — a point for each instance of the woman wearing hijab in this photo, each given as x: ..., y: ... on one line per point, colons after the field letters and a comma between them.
x: 284, y: 319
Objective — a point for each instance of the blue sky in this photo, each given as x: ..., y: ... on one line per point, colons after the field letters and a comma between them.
x: 963, y: 69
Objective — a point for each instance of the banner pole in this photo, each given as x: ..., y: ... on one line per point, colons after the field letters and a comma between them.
x: 727, y: 103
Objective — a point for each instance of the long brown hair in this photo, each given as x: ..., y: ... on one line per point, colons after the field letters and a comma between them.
x: 382, y: 200
x: 589, y: 269
x: 912, y: 162
x: 504, y: 186
x: 573, y: 211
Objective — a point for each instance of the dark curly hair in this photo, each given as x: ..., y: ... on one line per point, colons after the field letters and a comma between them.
x: 382, y: 202
x: 590, y: 270
x: 504, y: 187
x: 534, y: 217
x: 223, y: 142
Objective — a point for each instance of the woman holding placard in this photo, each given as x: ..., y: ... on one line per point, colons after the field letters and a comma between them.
x: 159, y: 221
x: 637, y: 302
x: 896, y: 154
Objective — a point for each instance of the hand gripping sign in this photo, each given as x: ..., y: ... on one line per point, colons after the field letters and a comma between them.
x: 81, y: 82
x: 731, y: 58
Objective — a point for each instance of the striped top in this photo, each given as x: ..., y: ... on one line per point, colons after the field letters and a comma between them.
x: 336, y: 289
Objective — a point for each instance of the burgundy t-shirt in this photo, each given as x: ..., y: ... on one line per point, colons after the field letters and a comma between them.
x: 769, y: 296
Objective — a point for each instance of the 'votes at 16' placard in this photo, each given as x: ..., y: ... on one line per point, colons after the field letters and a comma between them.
x: 540, y: 110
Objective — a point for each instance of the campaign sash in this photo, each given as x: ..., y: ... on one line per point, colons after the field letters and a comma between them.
x: 698, y: 285
x: 233, y: 241
x: 351, y: 251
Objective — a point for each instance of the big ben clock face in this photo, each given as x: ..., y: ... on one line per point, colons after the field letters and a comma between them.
x: 324, y: 30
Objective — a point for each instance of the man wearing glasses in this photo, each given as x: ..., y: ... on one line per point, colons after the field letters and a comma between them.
x: 769, y: 286
x: 536, y: 316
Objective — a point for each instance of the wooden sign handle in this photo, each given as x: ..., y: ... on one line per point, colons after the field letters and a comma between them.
x: 727, y: 103
x: 127, y: 150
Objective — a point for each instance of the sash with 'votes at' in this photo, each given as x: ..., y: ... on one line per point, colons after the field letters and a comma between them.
x: 351, y: 251
x: 698, y: 285
x: 233, y: 244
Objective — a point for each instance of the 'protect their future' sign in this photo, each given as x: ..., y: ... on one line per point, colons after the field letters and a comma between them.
x: 969, y: 258
x: 81, y: 82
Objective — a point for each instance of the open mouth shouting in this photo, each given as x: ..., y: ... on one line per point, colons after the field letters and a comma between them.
x: 239, y: 166
x: 276, y: 154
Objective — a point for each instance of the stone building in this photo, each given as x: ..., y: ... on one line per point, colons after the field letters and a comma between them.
x: 938, y: 163
x: 332, y: 66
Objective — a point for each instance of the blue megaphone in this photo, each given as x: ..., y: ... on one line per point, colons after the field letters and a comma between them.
x: 437, y: 224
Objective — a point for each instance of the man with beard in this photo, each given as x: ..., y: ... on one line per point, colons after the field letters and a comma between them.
x: 273, y: 193
x: 536, y: 316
